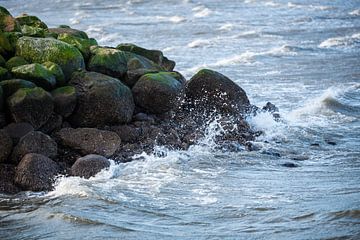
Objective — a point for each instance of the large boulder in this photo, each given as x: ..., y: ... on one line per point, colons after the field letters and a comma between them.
x: 7, y: 22
x: 55, y: 70
x: 6, y: 145
x: 212, y: 90
x: 154, y: 55
x: 36, y: 172
x: 37, y: 74
x: 158, y: 92
x: 40, y: 50
x: 80, y: 43
x: 89, y: 165
x: 17, y: 130
x: 32, y: 31
x: 12, y: 85
x: 89, y: 140
x: 32, y: 105
x: 7, y: 184
x: 6, y: 49
x: 34, y: 142
x: 66, y: 29
x: 33, y: 21
x: 15, y: 62
x: 64, y: 100
x: 101, y: 100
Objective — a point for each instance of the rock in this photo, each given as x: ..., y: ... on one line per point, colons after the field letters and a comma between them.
x: 32, y: 105
x: 53, y: 124
x: 56, y: 71
x: 39, y: 50
x: 66, y: 29
x: 157, y: 92
x: 33, y: 21
x: 269, y: 107
x: 32, y: 31
x: 127, y: 133
x: 7, y: 22
x: 330, y: 142
x: 1, y: 99
x: 2, y: 61
x: 11, y: 86
x: 13, y: 37
x: 89, y: 140
x: 6, y: 49
x: 36, y: 172
x: 143, y: 117
x: 6, y: 145
x: 115, y: 63
x: 154, y: 55
x: 17, y: 130
x: 37, y: 74
x: 80, y: 43
x: 15, y: 62
x: 4, y: 74
x: 289, y: 165
x: 64, y: 100
x: 211, y: 89
x: 101, y: 100
x: 34, y: 142
x: 132, y: 76
x: 89, y: 165
x: 7, y: 184
x: 2, y: 120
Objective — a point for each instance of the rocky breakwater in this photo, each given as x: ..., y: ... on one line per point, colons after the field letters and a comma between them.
x: 67, y: 105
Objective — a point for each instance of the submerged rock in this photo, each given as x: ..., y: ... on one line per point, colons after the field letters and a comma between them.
x: 34, y: 142
x: 39, y: 50
x: 89, y: 165
x: 158, y: 92
x: 32, y: 105
x: 89, y: 140
x: 212, y: 90
x: 101, y: 100
x: 36, y: 172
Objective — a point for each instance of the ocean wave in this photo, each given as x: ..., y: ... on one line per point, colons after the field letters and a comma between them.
x: 226, y: 27
x: 201, y: 11
x: 311, y: 7
x: 199, y: 43
x: 173, y: 19
x: 341, y: 41
x: 356, y: 12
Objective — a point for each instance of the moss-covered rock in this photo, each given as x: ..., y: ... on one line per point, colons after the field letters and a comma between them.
x: 64, y: 100
x: 6, y: 49
x: 115, y: 63
x: 66, y: 29
x: 1, y: 99
x: 32, y: 21
x: 32, y: 105
x: 15, y: 62
x: 37, y: 74
x: 40, y: 50
x: 7, y: 22
x: 154, y: 55
x: 2, y: 61
x: 55, y: 70
x: 4, y: 74
x: 12, y: 85
x: 13, y: 37
x: 32, y: 31
x: 157, y: 92
x: 80, y: 43
x: 101, y: 100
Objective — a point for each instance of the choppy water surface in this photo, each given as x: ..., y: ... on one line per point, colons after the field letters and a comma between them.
x: 301, y: 55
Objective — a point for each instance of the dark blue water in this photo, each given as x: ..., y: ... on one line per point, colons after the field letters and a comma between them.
x: 302, y: 55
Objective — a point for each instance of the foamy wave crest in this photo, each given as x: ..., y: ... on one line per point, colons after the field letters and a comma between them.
x: 226, y: 27
x: 340, y: 41
x: 199, y: 43
x: 201, y: 11
x: 311, y: 7
x: 173, y: 19
x: 356, y: 12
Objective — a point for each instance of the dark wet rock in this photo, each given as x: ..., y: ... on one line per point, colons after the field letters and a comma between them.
x: 37, y: 74
x: 4, y: 74
x: 56, y: 71
x: 89, y: 165
x: 6, y: 49
x: 33, y: 21
x: 7, y: 22
x: 17, y: 130
x: 2, y: 61
x: 211, y: 89
x: 12, y: 85
x: 7, y: 175
x: 66, y: 29
x: 101, y: 100
x: 290, y: 165
x: 34, y: 106
x: 154, y: 55
x: 2, y: 98
x: 64, y: 100
x: 330, y: 142
x: 158, y: 92
x: 53, y: 124
x: 39, y: 50
x: 271, y: 152
x: 34, y: 142
x: 89, y: 140
x: 36, y: 172
x: 299, y: 157
x: 143, y: 117
x: 3, y: 121
x: 83, y: 44
x: 15, y: 62
x: 269, y: 107
x: 127, y: 133
x: 315, y: 144
x: 6, y: 145
x: 132, y: 76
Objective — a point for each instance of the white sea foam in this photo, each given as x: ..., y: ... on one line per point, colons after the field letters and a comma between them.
x: 199, y: 43
x: 173, y: 19
x: 201, y: 11
x: 226, y: 27
x: 311, y: 7
x: 340, y: 41
x: 356, y: 12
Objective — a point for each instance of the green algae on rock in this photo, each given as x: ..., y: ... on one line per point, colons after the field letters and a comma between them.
x: 37, y: 74
x: 12, y: 85
x: 32, y: 21
x: 55, y: 70
x: 4, y: 74
x: 80, y: 43
x: 15, y: 62
x: 40, y: 50
x: 32, y: 31
x: 71, y: 31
